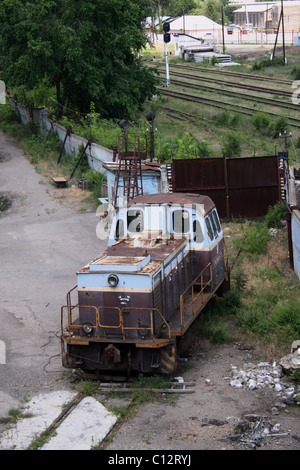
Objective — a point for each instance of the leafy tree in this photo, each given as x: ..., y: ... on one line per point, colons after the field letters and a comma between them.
x: 178, y: 7
x: 87, y: 49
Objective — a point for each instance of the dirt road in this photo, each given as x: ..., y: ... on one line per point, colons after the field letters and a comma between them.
x: 42, y: 245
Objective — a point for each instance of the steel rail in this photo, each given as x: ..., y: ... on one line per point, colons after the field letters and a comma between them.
x: 218, y: 104
x: 230, y: 84
x: 230, y: 73
x: 256, y: 98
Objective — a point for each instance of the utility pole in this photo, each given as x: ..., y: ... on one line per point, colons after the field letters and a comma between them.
x: 150, y: 118
x: 167, y: 38
x: 283, y: 42
x: 223, y: 39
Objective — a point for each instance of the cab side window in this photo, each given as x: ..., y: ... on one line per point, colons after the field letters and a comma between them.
x: 135, y: 220
x: 181, y: 221
x: 213, y: 224
x: 119, y: 233
x: 197, y: 232
x: 208, y: 228
x: 216, y: 219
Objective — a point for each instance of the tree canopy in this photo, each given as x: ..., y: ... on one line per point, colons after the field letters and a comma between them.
x: 86, y: 49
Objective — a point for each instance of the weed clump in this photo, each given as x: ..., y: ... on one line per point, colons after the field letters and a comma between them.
x: 267, y: 62
x: 231, y: 145
x: 275, y: 215
x: 256, y: 240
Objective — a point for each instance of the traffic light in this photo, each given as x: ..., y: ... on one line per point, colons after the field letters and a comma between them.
x: 167, y: 37
x: 166, y: 27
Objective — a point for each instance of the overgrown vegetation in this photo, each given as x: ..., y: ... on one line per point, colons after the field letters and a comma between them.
x: 266, y: 62
x: 262, y: 306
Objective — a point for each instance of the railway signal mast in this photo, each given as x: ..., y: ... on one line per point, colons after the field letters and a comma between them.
x: 167, y: 38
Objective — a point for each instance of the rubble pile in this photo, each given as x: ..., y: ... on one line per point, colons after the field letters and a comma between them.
x: 264, y: 376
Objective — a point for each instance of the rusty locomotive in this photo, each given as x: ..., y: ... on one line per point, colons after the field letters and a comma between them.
x: 165, y: 260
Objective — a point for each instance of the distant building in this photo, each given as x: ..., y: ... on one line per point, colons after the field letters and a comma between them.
x: 198, y: 26
x: 265, y: 15
x: 253, y: 16
x: 291, y: 15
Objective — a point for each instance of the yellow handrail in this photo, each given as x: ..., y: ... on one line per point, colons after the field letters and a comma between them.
x: 191, y: 286
x: 203, y: 287
x: 120, y: 325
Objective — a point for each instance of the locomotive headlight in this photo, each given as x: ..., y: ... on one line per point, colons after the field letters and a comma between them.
x: 87, y: 328
x: 113, y: 280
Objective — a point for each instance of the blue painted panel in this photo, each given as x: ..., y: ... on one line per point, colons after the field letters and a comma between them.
x: 296, y: 241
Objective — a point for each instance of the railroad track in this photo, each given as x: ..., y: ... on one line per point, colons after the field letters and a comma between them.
x: 184, y: 116
x: 230, y: 84
x: 248, y: 97
x: 249, y: 111
x: 229, y: 73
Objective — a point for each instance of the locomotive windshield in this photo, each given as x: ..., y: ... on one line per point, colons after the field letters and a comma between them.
x: 213, y: 225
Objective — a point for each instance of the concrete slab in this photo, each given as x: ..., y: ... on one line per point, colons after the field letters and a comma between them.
x: 45, y: 408
x: 2, y: 353
x: 7, y: 402
x: 86, y: 425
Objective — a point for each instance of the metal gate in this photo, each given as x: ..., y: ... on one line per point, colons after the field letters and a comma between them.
x: 240, y: 187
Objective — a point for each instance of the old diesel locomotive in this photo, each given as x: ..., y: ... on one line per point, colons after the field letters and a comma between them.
x: 164, y: 262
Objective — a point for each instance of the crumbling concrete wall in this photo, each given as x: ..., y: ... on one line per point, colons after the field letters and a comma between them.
x: 97, y: 154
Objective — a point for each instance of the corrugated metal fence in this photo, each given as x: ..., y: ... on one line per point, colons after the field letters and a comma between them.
x: 240, y: 187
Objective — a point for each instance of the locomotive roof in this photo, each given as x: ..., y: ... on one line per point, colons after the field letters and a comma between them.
x: 131, y: 252
x: 175, y: 198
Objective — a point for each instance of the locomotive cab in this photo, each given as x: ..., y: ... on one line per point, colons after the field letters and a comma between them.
x: 164, y: 262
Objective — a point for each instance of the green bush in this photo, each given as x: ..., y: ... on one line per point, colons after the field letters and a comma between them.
x: 210, y: 326
x: 279, y: 126
x: 232, y: 300
x: 240, y: 279
x: 254, y: 318
x: 203, y: 149
x: 40, y: 96
x: 286, y: 316
x: 260, y: 120
x: 296, y: 72
x: 8, y: 114
x: 275, y: 215
x: 256, y: 240
x: 267, y: 62
x: 231, y: 145
x: 97, y: 180
x: 186, y: 147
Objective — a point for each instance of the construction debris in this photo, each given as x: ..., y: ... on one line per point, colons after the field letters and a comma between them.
x: 255, y: 431
x: 291, y: 362
x: 264, y: 376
